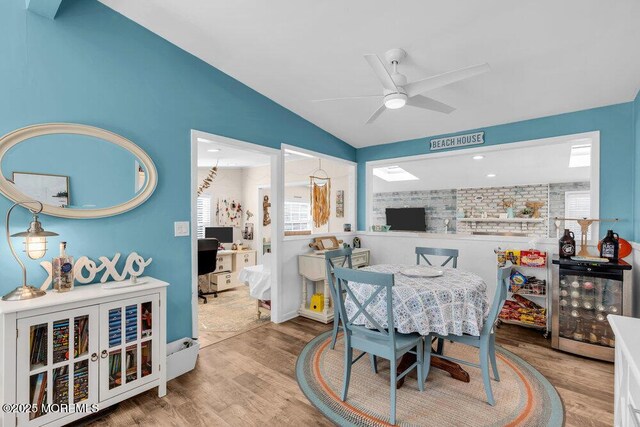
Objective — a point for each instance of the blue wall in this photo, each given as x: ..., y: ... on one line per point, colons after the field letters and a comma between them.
x: 100, y: 174
x: 91, y: 65
x: 617, y: 154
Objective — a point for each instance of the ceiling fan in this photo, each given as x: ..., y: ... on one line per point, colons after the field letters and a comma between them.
x: 397, y: 92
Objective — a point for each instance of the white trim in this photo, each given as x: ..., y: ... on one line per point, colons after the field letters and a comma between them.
x: 594, y: 185
x: 316, y: 154
x: 276, y: 161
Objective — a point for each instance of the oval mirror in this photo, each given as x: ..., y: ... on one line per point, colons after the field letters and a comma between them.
x: 76, y: 171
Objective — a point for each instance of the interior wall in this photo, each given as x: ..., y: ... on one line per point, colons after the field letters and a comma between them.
x: 617, y: 151
x: 228, y: 183
x: 93, y: 66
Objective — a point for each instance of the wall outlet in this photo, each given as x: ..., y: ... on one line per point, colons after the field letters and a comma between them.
x: 181, y: 228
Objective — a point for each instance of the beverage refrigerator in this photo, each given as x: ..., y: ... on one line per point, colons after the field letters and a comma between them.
x: 583, y: 294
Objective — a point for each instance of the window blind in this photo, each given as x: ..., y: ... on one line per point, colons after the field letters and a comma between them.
x: 203, y: 209
x: 577, y: 204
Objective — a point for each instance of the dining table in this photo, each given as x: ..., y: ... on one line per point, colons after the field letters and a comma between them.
x: 442, y: 300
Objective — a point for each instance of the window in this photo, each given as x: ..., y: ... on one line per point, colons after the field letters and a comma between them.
x: 203, y: 209
x: 577, y: 204
x: 297, y: 216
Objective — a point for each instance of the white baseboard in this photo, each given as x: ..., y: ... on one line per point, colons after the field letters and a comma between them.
x: 288, y: 316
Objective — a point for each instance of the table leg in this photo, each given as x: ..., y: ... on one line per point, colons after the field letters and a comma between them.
x: 454, y: 369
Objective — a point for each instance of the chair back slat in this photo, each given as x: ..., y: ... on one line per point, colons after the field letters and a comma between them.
x: 346, y: 279
x: 502, y: 288
x: 451, y: 254
x: 330, y: 258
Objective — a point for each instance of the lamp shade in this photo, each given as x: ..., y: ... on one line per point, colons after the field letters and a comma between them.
x: 35, y: 243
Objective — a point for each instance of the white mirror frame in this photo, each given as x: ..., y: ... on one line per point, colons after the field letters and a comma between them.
x: 17, y: 136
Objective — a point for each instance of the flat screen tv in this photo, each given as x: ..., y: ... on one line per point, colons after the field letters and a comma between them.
x: 223, y: 234
x: 406, y: 219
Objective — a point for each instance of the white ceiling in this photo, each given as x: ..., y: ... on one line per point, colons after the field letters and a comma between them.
x: 547, y: 56
x: 542, y: 164
x: 220, y: 151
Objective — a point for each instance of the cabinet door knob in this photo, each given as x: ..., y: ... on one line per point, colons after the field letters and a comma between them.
x: 94, y: 357
x: 103, y: 354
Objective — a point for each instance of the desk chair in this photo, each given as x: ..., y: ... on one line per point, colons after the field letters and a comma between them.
x: 382, y: 341
x: 207, y: 256
x: 486, y: 342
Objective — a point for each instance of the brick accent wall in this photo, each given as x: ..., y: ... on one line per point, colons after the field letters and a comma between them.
x: 441, y: 204
x: 438, y: 204
x: 474, y: 201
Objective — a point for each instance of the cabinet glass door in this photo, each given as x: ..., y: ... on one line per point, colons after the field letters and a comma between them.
x: 57, y: 362
x: 584, y: 303
x: 129, y: 344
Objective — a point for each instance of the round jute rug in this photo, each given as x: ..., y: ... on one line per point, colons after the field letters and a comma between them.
x: 523, y: 396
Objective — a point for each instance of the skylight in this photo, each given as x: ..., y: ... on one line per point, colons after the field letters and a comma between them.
x: 580, y: 156
x: 394, y: 174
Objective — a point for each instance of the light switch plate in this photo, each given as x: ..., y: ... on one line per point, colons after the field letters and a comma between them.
x: 181, y: 228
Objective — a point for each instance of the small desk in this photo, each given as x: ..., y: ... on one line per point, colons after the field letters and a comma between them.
x: 229, y: 264
x: 311, y: 266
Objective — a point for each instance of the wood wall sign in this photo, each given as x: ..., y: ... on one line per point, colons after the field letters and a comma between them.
x: 457, y: 141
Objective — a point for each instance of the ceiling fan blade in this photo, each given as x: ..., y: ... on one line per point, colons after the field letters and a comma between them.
x: 444, y: 79
x: 421, y: 101
x: 376, y: 113
x: 381, y: 72
x: 347, y: 97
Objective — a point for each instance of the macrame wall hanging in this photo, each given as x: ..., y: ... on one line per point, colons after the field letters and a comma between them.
x: 320, y: 187
x: 206, y: 182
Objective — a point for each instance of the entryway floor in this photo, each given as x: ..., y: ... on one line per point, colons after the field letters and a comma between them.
x: 231, y: 313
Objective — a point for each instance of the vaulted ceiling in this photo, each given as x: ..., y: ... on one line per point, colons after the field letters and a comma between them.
x: 547, y: 56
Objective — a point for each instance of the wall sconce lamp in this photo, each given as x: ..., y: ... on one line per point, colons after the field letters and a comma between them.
x: 35, y: 245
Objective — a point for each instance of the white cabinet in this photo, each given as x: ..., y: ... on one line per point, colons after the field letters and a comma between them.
x: 627, y: 371
x: 56, y: 356
x: 66, y: 355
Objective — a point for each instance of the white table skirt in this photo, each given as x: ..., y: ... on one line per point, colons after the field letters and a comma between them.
x: 454, y: 303
x: 258, y: 279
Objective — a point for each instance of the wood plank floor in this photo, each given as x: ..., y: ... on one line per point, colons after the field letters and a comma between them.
x: 249, y: 380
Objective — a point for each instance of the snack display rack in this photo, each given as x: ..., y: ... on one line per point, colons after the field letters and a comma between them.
x: 528, y: 300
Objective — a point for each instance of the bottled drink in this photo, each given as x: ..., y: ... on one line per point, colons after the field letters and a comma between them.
x: 578, y: 333
x: 62, y: 270
x: 594, y: 336
x: 567, y: 244
x: 609, y: 246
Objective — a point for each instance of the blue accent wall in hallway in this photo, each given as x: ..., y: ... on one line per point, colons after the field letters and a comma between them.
x: 617, y: 154
x: 93, y: 66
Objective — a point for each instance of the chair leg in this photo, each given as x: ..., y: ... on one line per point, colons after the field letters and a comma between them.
x: 348, y: 357
x: 492, y: 356
x: 484, y: 366
x: 374, y: 363
x: 440, y: 346
x: 427, y: 357
x: 336, y: 326
x: 420, y: 367
x: 394, y: 381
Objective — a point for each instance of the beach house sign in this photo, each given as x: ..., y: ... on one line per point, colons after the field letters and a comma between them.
x: 457, y: 141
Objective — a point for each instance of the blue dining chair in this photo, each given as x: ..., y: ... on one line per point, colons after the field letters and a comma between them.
x: 452, y: 255
x: 330, y: 257
x: 383, y: 341
x: 486, y: 342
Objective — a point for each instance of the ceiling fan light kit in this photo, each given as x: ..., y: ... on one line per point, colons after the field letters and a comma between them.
x: 394, y: 101
x: 397, y: 92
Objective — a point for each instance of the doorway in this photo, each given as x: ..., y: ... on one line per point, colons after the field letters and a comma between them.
x: 234, y: 289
